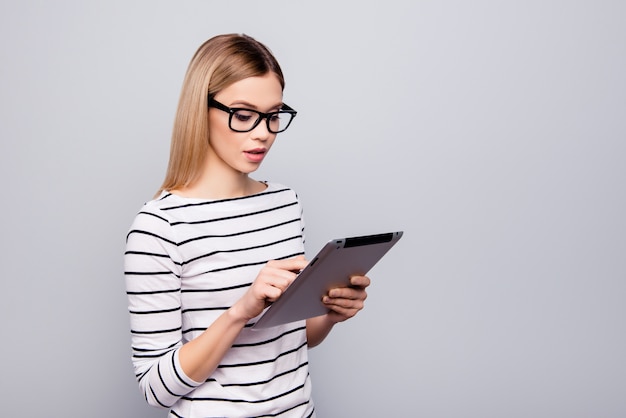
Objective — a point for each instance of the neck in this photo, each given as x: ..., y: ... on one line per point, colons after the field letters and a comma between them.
x: 221, y: 184
x: 218, y: 189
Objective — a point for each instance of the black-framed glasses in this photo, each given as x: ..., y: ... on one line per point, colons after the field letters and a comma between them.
x: 244, y: 120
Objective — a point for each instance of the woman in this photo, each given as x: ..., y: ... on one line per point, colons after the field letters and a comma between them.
x: 216, y: 247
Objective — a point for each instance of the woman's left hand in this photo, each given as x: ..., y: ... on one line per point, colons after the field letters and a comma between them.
x: 345, y: 302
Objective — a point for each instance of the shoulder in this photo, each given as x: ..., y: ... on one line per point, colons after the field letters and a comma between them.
x: 157, y: 208
x: 277, y: 194
x: 279, y: 190
x: 155, y: 217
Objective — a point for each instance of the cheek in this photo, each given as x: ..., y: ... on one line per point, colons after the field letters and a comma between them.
x: 219, y: 134
x: 270, y: 142
x: 214, y: 127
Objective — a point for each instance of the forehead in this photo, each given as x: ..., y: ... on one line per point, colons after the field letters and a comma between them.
x: 261, y: 91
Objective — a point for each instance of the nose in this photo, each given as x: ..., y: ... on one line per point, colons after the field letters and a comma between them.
x: 261, y: 131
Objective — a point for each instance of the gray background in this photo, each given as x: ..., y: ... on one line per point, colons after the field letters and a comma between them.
x: 492, y: 132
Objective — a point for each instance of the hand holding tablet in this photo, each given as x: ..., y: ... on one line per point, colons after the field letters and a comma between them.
x: 332, y: 267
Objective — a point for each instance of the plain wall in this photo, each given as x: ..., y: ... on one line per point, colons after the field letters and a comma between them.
x: 492, y: 132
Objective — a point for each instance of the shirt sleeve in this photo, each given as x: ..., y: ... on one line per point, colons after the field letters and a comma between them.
x: 152, y: 270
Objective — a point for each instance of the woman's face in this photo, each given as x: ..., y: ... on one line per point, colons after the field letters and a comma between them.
x: 243, y: 152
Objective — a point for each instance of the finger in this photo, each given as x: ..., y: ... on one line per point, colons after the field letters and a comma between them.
x: 360, y: 281
x: 272, y: 293
x: 291, y: 264
x: 278, y: 278
x: 348, y: 293
x: 341, y: 314
x: 271, y: 283
x: 344, y: 302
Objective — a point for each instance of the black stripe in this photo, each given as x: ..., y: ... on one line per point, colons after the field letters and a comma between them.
x: 177, y: 263
x: 160, y: 352
x: 272, y: 398
x: 140, y: 376
x: 236, y: 266
x: 215, y: 308
x: 232, y: 199
x: 180, y: 379
x: 146, y: 253
x: 168, y: 348
x: 212, y: 253
x: 153, y: 214
x: 287, y: 410
x: 154, y: 292
x: 251, y: 231
x: 150, y: 273
x: 155, y: 356
x: 154, y: 312
x: 263, y: 382
x: 163, y: 382
x: 157, y: 331
x: 222, y: 289
x: 185, y: 331
x: 291, y: 255
x: 256, y: 363
x: 284, y: 334
x: 226, y: 218
x: 155, y: 397
x: 151, y: 234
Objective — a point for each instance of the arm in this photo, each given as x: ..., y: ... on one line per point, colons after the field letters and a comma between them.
x: 344, y: 303
x: 201, y: 356
x: 152, y: 272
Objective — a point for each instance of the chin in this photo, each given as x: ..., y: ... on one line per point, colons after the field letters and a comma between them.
x: 249, y: 170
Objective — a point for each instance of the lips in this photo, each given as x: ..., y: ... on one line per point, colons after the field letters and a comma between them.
x: 256, y: 154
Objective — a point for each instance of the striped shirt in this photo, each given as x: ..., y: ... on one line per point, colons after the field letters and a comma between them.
x: 186, y: 262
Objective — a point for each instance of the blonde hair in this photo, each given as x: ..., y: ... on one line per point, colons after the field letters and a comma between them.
x: 218, y: 63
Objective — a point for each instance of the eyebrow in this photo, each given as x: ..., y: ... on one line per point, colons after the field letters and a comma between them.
x: 243, y: 103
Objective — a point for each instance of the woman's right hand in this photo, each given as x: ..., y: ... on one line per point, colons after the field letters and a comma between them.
x: 200, y: 356
x: 268, y: 286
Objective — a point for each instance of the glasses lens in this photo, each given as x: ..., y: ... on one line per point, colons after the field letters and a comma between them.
x: 243, y: 120
x: 279, y: 121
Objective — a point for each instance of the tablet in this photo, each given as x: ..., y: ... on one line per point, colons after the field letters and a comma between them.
x: 331, y: 267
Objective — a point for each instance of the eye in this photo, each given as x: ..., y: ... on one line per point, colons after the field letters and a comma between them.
x: 274, y: 117
x: 244, y: 115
